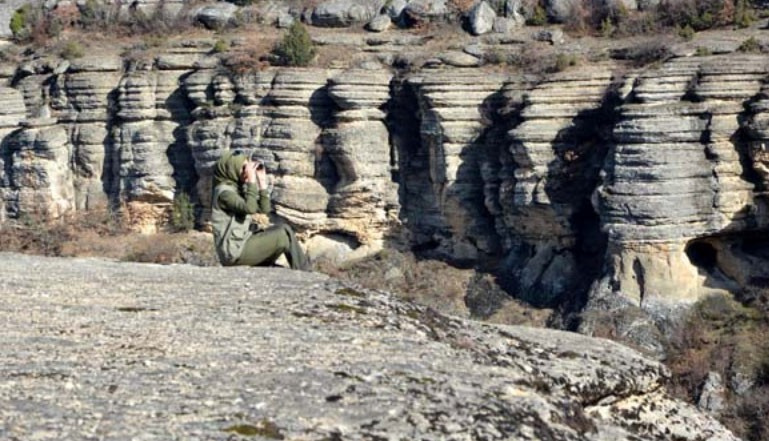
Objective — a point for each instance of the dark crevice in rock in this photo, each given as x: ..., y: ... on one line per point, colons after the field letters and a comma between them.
x: 391, y: 109
x: 484, y: 168
x: 691, y: 89
x: 581, y: 153
x: 327, y: 171
x: 10, y: 194
x: 747, y: 137
x: 111, y: 166
x: 706, y: 135
x: 418, y: 206
x: 640, y: 276
x: 179, y: 154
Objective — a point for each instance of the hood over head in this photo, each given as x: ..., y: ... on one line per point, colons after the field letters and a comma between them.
x: 228, y: 167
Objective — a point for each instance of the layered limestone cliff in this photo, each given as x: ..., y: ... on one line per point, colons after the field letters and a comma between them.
x: 618, y: 187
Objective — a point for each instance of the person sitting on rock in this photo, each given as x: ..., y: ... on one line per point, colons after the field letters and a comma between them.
x: 239, y: 191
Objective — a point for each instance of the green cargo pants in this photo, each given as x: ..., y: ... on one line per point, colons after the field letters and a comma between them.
x: 265, y: 247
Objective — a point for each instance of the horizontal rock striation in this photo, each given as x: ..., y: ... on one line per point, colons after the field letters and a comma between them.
x: 556, y: 152
x: 677, y: 173
x: 445, y: 174
x: 364, y: 199
x: 318, y: 361
x: 322, y: 135
x: 595, y: 184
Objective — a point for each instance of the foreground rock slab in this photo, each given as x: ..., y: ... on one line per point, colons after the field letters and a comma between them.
x: 100, y: 350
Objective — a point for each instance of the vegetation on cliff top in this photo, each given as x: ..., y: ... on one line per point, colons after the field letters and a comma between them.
x: 296, y: 47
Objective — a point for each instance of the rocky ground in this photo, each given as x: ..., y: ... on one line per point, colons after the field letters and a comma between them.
x: 101, y: 350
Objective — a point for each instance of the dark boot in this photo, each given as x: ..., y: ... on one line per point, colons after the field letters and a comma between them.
x: 295, y: 255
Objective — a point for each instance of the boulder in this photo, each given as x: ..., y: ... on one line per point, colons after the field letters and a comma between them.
x: 216, y: 16
x: 394, y: 8
x: 285, y: 21
x: 380, y: 23
x: 459, y: 59
x: 712, y: 398
x: 560, y: 11
x: 481, y: 18
x: 343, y: 13
x: 503, y: 25
x: 552, y: 36
x: 514, y: 9
x: 269, y: 11
x: 426, y: 10
x: 475, y: 50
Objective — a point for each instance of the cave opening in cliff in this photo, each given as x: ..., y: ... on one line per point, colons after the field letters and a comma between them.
x: 703, y: 255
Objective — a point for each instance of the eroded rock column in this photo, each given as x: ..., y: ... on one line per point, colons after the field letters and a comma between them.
x: 364, y: 198
x: 84, y: 99
x: 675, y: 175
x: 155, y: 162
x: 446, y: 207
x: 299, y: 110
x: 557, y: 151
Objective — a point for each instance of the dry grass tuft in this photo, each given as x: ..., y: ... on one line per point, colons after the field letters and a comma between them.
x: 726, y: 337
x: 100, y: 233
x: 439, y: 285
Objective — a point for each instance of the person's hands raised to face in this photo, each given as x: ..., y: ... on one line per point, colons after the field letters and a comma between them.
x: 254, y: 172
x: 261, y: 174
x: 248, y: 173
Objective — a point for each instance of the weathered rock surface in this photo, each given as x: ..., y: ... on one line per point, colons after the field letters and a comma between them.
x: 119, y: 134
x: 426, y: 10
x: 680, y: 174
x: 97, y: 349
x: 598, y: 185
x: 481, y: 18
x: 444, y: 189
x: 555, y: 159
x: 380, y: 23
x: 216, y: 16
x: 339, y: 13
x: 560, y: 11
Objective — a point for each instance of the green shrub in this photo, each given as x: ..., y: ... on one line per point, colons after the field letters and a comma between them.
x: 95, y: 14
x: 495, y: 57
x: 18, y: 23
x: 751, y: 45
x: 154, y: 40
x: 744, y: 15
x: 220, y: 46
x: 183, y: 213
x: 685, y: 32
x: 699, y: 14
x: 72, y: 50
x: 607, y: 28
x: 538, y: 17
x: 636, y: 24
x: 296, y: 48
x: 564, y: 61
x: 706, y: 20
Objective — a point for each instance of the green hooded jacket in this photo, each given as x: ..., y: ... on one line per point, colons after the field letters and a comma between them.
x: 232, y: 205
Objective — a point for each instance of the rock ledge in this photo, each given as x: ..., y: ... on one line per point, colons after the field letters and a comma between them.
x: 93, y: 349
